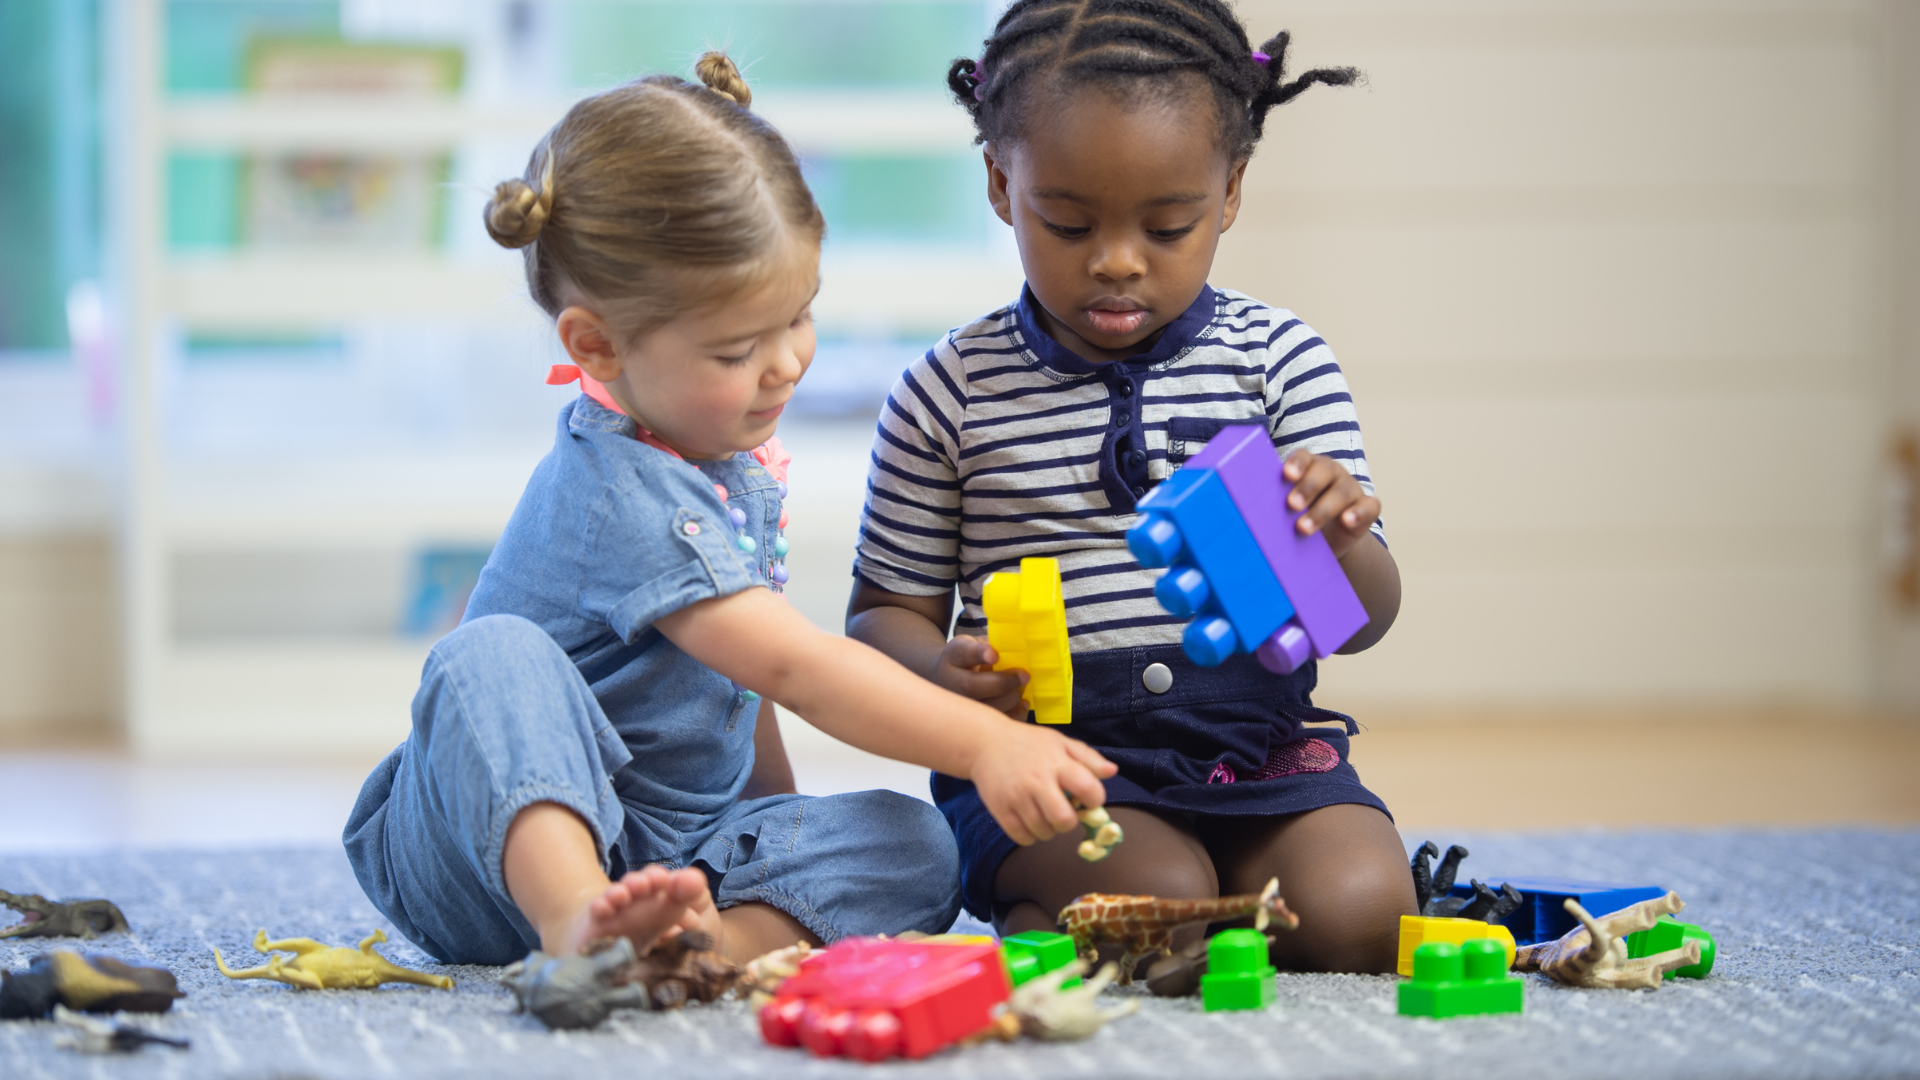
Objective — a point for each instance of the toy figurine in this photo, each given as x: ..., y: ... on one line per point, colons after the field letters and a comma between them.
x: 1594, y: 954
x: 323, y: 967
x: 574, y: 992
x: 580, y: 991
x: 1041, y: 1009
x: 1178, y: 974
x: 1432, y: 889
x: 87, y: 983
x: 764, y: 974
x: 1143, y: 926
x: 90, y: 1036
x: 1102, y: 833
x: 55, y: 918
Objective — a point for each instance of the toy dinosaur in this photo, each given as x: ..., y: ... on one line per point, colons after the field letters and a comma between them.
x: 1594, y: 954
x: 87, y: 983
x: 1102, y: 833
x: 1143, y: 926
x: 1431, y: 889
x: 46, y: 918
x: 323, y: 967
x: 1178, y: 974
x: 90, y: 1036
x: 580, y: 991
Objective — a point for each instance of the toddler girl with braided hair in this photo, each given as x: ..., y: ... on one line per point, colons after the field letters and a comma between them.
x: 1116, y: 140
x: 593, y: 753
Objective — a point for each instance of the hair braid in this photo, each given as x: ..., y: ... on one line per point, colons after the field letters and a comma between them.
x: 1132, y: 46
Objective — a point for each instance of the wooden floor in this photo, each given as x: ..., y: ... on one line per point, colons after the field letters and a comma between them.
x: 1439, y: 773
x: 1515, y: 771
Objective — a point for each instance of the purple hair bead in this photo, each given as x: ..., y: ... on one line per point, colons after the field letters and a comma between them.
x: 1261, y: 58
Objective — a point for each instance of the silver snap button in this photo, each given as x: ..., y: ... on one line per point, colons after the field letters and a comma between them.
x: 1158, y: 678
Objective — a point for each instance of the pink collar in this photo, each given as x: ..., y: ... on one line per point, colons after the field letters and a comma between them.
x: 770, y: 453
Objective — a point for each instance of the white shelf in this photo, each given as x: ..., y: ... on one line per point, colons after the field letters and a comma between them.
x: 328, y: 699
x: 251, y: 291
x: 363, y: 501
x: 909, y: 122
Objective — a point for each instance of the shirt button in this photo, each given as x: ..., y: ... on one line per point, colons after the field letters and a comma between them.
x: 691, y: 528
x: 1124, y: 389
x: 1158, y: 678
x: 1139, y: 492
x: 1136, y: 458
x: 1122, y: 418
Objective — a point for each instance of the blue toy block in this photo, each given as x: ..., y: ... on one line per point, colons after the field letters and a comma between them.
x: 1542, y: 915
x: 1216, y: 572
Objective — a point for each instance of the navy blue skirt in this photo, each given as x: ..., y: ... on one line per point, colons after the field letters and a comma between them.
x: 1229, y: 741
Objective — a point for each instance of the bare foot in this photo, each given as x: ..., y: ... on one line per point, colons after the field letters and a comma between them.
x: 643, y: 907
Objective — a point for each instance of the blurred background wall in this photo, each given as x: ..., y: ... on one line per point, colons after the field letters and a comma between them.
x: 1626, y: 292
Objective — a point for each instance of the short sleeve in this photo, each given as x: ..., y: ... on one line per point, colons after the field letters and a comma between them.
x: 1309, y: 406
x: 910, y: 523
x: 661, y: 543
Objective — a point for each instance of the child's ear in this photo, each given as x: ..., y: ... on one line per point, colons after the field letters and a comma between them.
x: 588, y: 343
x: 997, y: 185
x: 1232, y: 208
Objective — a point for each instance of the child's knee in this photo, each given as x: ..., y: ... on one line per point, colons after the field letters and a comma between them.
x: 1349, y: 919
x: 916, y: 853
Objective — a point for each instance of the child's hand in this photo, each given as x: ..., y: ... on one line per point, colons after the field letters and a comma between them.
x: 965, y: 667
x: 1332, y: 498
x: 1026, y: 774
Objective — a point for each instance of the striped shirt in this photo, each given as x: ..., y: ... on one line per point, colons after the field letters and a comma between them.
x: 1000, y: 444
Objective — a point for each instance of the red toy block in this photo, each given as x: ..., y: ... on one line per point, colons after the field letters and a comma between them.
x: 1323, y: 601
x: 873, y: 998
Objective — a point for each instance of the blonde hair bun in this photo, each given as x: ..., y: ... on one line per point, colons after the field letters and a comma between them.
x: 517, y: 212
x: 717, y: 71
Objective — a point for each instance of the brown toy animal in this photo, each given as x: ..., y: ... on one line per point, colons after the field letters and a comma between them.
x: 683, y: 968
x: 1143, y: 926
x: 46, y: 918
x: 1594, y: 954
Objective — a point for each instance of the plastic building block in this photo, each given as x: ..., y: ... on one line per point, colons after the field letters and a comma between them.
x: 1417, y: 930
x: 1542, y: 916
x: 1027, y: 626
x: 1671, y: 933
x: 877, y: 998
x: 1216, y: 575
x: 1460, y: 980
x: 1238, y: 974
x: 1324, y: 603
x: 1032, y: 954
x: 1236, y: 565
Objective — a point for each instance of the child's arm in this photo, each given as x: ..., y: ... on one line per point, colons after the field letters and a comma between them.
x: 1345, y: 513
x: 857, y: 695
x: 908, y: 629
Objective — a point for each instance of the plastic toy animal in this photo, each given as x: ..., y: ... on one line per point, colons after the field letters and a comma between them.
x: 90, y: 1036
x: 1040, y: 1009
x: 46, y: 918
x: 323, y: 967
x: 88, y: 983
x: 1431, y: 889
x: 765, y: 973
x: 1594, y: 954
x: 1102, y: 833
x: 574, y: 992
x: 1143, y: 926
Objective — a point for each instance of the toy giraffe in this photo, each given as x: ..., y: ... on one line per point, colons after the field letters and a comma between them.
x: 1143, y: 926
x: 322, y: 967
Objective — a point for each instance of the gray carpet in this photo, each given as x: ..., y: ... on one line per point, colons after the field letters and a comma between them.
x: 1818, y: 976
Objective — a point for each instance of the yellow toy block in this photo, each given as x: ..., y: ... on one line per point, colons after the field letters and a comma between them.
x: 1417, y: 930
x: 1027, y: 626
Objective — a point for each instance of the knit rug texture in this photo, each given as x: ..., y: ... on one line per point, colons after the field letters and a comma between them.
x: 1818, y: 975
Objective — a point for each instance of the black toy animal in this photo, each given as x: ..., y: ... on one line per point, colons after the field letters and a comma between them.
x: 55, y: 918
x: 1433, y: 887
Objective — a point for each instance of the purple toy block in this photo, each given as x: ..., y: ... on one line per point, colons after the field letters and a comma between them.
x: 1324, y: 602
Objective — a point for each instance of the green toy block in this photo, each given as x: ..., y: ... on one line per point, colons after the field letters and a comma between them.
x: 1034, y: 953
x: 1238, y: 974
x: 1460, y: 980
x: 1668, y: 934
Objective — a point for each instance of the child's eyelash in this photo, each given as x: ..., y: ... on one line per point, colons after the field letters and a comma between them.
x: 1172, y: 234
x: 735, y: 361
x: 1068, y: 232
